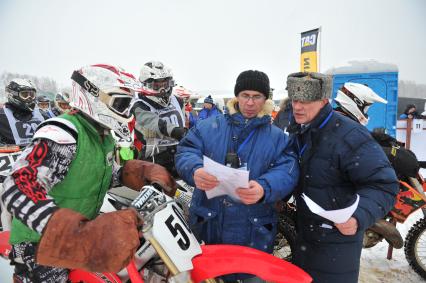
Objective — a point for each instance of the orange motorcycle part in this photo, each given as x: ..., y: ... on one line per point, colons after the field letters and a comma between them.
x: 408, y: 201
x: 218, y: 260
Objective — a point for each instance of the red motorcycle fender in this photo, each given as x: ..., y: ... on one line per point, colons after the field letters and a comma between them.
x: 218, y: 260
x: 79, y: 275
x: 5, y: 247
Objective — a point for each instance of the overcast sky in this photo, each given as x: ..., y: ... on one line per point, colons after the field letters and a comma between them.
x: 208, y: 43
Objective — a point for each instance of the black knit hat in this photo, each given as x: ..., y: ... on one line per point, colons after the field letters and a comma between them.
x: 252, y: 80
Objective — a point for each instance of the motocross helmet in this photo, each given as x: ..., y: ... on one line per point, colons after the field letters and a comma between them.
x: 62, y: 102
x: 43, y: 102
x: 182, y: 93
x: 355, y: 99
x: 104, y: 94
x: 158, y: 80
x: 21, y: 93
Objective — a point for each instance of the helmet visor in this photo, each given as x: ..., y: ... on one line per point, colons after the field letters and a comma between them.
x: 27, y: 95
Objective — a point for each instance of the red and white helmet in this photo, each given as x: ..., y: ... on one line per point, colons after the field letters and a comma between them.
x: 182, y: 93
x: 158, y: 80
x: 104, y: 93
x: 355, y: 99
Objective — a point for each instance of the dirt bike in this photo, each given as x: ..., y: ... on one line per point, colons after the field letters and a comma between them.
x: 8, y: 156
x: 176, y: 255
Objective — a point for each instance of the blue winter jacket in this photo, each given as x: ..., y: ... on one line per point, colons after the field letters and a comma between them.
x: 339, y: 159
x: 270, y: 162
x: 206, y: 113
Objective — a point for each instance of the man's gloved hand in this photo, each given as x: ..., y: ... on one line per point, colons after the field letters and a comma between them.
x: 178, y: 133
x: 105, y: 244
x: 135, y: 173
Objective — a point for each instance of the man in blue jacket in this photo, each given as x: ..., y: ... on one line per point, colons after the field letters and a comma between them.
x: 244, y: 138
x: 338, y: 159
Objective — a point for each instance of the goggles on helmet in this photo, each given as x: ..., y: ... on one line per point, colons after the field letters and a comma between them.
x: 161, y: 84
x: 27, y: 94
x: 118, y: 102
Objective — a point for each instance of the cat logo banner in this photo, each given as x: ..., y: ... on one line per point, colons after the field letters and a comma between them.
x: 309, y: 54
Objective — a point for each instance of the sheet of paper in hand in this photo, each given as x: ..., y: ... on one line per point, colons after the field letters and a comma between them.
x: 336, y: 216
x: 229, y: 179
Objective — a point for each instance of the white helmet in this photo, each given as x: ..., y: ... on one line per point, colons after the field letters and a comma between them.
x: 104, y: 93
x: 355, y: 99
x: 158, y: 80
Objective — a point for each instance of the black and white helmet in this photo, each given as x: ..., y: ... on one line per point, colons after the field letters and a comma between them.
x: 355, y: 99
x: 43, y: 102
x: 21, y: 93
x: 158, y: 80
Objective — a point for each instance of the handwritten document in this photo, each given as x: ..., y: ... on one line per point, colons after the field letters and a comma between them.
x: 229, y: 179
x: 336, y: 216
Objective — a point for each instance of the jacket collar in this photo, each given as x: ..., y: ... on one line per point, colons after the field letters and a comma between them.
x: 324, y: 113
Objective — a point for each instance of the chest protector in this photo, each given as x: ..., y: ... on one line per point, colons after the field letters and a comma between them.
x: 23, y: 131
x: 87, y: 181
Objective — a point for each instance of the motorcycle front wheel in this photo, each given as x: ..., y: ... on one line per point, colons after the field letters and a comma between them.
x: 415, y: 247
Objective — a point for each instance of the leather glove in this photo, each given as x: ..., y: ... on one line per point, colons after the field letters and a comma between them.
x: 135, y: 173
x: 178, y: 133
x: 105, y: 244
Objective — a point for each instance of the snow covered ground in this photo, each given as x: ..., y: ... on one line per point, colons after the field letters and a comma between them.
x: 375, y: 268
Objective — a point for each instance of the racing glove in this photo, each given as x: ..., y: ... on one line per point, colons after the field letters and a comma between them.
x: 136, y: 173
x: 104, y: 244
x: 178, y: 133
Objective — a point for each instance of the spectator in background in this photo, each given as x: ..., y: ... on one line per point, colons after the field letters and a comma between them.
x: 209, y: 109
x: 410, y: 112
x: 282, y: 120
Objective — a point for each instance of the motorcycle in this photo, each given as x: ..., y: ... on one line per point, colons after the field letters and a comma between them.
x: 171, y: 252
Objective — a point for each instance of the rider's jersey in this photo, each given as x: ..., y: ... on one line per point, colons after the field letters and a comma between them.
x: 156, y: 123
x: 37, y: 173
x: 17, y: 127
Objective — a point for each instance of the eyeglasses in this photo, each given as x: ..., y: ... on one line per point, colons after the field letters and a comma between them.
x: 254, y: 98
x: 27, y: 94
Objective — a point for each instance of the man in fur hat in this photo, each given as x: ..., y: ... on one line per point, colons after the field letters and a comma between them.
x: 242, y: 138
x: 338, y: 160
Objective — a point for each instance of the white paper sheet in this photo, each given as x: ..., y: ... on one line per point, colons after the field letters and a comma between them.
x: 229, y: 179
x: 336, y: 216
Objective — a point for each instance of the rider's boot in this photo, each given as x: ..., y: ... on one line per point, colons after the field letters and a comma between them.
x: 389, y: 232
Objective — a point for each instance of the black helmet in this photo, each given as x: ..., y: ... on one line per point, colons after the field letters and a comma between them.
x: 21, y: 93
x: 43, y: 102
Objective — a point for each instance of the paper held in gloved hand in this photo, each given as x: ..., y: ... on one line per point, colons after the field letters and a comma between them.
x: 229, y: 179
x: 336, y: 216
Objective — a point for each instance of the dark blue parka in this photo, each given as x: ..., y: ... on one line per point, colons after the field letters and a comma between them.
x: 270, y: 162
x: 338, y: 159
